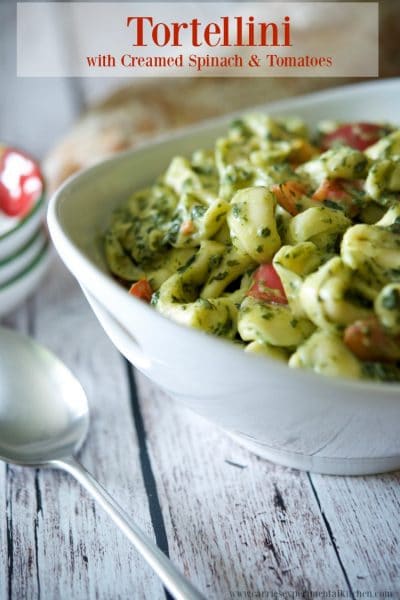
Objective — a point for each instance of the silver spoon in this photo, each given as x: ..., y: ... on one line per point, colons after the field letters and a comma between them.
x: 44, y: 420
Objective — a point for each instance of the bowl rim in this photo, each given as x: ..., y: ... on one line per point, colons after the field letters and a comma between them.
x: 78, y: 258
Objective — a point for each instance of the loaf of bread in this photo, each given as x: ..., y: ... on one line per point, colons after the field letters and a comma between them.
x: 133, y: 114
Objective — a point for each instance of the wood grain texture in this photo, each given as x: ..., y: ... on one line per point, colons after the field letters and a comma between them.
x: 233, y: 522
x: 238, y: 523
x: 63, y: 547
x: 3, y: 533
x: 19, y: 572
x: 364, y: 516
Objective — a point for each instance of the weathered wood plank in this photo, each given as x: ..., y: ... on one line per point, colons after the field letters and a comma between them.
x: 18, y: 544
x: 60, y: 546
x: 3, y: 533
x: 22, y: 520
x: 219, y: 534
x: 364, y: 515
x: 79, y: 553
x: 237, y: 523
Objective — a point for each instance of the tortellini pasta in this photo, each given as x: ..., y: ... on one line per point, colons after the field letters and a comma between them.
x: 284, y: 241
x: 320, y: 225
x: 387, y: 307
x: 327, y: 296
x: 325, y: 353
x: 252, y: 225
x: 293, y: 264
x: 338, y: 163
x: 272, y: 324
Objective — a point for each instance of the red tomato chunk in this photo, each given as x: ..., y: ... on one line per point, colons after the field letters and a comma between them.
x: 368, y: 340
x: 287, y: 195
x: 356, y: 135
x: 340, y: 192
x: 142, y: 290
x: 267, y: 285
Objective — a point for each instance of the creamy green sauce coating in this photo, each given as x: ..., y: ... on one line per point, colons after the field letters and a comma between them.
x: 278, y: 241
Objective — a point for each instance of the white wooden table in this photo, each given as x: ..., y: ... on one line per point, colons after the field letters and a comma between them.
x: 238, y: 526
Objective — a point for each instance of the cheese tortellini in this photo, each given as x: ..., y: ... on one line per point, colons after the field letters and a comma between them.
x: 252, y: 225
x: 284, y: 241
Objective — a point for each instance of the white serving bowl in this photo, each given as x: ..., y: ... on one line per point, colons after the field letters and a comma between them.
x: 22, y: 230
x: 290, y: 416
x: 16, y: 289
x: 12, y: 265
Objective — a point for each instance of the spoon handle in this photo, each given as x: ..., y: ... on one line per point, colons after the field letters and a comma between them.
x: 172, y: 579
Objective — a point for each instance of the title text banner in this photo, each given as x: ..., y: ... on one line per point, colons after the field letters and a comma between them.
x: 145, y: 39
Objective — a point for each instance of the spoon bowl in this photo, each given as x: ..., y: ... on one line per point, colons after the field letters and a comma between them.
x: 44, y: 412
x: 44, y: 420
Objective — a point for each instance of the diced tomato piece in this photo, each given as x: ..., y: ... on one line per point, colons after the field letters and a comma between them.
x: 356, y: 135
x: 142, y: 290
x: 287, y: 195
x: 267, y: 285
x: 368, y: 340
x: 187, y: 227
x: 302, y: 152
x: 21, y: 182
x: 339, y: 191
